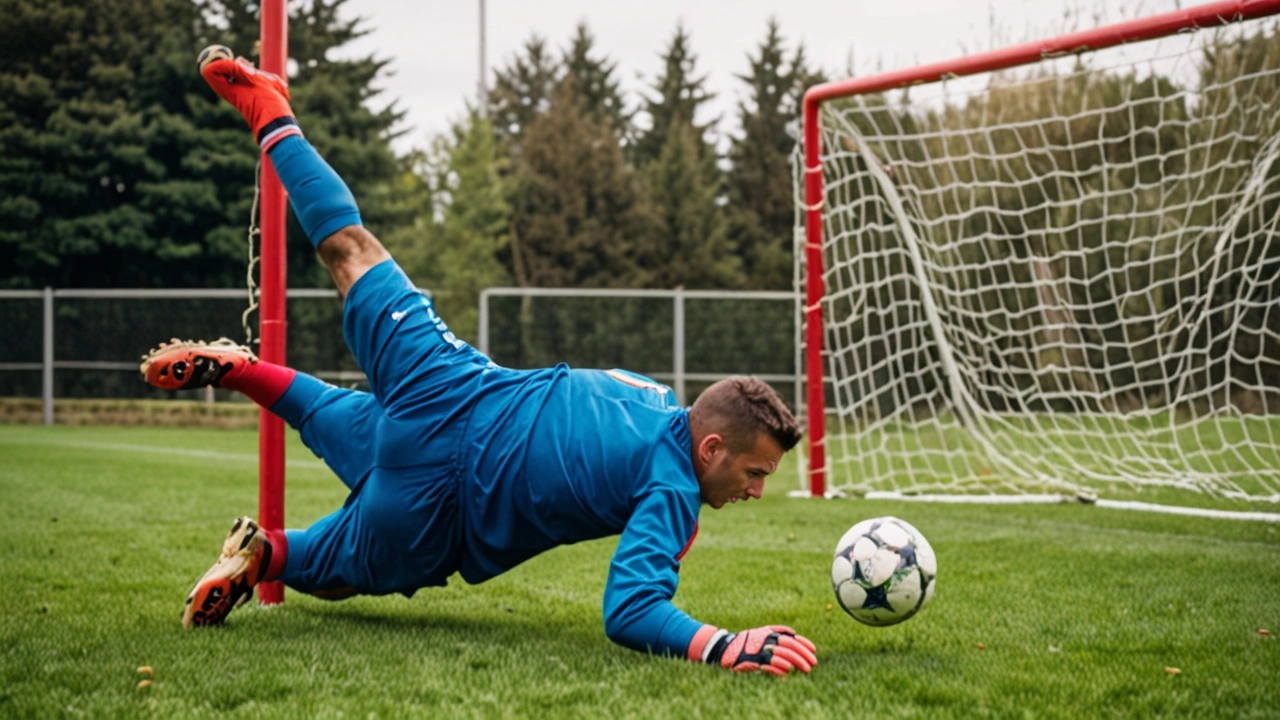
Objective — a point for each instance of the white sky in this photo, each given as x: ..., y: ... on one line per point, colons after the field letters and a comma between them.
x: 434, y: 45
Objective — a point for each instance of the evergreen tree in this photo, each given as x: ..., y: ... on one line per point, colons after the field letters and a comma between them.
x: 760, y: 195
x: 598, y: 89
x: 684, y: 183
x: 118, y: 165
x: 106, y: 178
x: 680, y: 93
x: 684, y: 186
x: 579, y: 216
x: 521, y: 92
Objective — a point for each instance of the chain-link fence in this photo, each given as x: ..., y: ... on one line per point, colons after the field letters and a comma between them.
x: 86, y: 344
x: 687, y: 339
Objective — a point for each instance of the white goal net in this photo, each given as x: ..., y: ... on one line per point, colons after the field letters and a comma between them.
x: 1055, y: 278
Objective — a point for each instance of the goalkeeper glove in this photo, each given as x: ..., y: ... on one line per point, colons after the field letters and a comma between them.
x: 774, y: 649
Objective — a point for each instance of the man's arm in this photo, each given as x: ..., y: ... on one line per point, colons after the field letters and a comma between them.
x: 643, y: 575
x: 638, y: 612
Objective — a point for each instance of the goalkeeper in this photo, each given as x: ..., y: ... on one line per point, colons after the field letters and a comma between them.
x: 455, y: 464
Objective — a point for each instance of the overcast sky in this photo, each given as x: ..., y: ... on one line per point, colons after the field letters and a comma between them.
x: 434, y: 45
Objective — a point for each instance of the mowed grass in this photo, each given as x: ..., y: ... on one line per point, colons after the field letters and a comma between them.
x: 1041, y: 611
x: 1232, y: 460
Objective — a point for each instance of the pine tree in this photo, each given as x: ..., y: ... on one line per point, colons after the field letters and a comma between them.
x: 685, y: 186
x: 107, y: 177
x: 597, y: 88
x: 118, y: 165
x: 760, y: 195
x: 684, y: 183
x: 521, y: 92
x: 680, y: 93
x: 579, y: 213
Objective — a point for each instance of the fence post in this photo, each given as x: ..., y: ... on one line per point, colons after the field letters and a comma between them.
x: 47, y: 370
x: 482, y: 332
x: 677, y: 351
x: 799, y: 356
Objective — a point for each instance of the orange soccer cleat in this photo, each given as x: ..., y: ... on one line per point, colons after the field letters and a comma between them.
x: 260, y: 96
x: 230, y: 582
x: 185, y: 364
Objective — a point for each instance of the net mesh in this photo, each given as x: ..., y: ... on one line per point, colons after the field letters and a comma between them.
x: 1059, y: 278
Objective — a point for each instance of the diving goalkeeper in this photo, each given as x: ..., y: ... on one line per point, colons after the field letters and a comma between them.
x: 455, y: 464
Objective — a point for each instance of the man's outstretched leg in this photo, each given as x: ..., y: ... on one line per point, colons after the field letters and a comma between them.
x: 188, y: 365
x: 381, y: 540
x: 334, y: 423
x: 389, y: 325
x: 323, y: 203
x: 249, y: 556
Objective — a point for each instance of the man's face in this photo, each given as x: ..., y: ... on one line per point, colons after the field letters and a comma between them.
x: 728, y: 478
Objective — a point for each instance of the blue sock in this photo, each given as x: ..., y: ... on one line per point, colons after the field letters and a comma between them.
x: 323, y: 203
x: 294, y: 403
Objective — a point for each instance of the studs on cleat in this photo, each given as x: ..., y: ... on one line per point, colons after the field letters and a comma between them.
x: 181, y: 365
x: 250, y: 535
x: 230, y: 582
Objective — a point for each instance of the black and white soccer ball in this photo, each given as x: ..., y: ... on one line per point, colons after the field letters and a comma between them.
x: 884, y: 571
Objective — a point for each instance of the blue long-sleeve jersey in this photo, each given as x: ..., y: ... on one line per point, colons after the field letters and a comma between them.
x: 559, y: 456
x: 457, y: 464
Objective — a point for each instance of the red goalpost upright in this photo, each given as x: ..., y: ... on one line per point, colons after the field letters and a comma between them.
x: 273, y: 56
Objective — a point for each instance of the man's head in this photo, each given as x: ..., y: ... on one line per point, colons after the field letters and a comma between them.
x: 740, y: 430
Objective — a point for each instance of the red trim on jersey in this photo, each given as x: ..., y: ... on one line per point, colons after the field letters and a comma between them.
x: 698, y: 644
x: 690, y: 543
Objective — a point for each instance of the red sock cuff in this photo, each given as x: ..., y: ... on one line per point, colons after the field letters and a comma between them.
x: 279, y: 553
x: 262, y: 382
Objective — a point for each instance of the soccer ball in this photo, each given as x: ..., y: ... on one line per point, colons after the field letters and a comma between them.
x: 883, y: 571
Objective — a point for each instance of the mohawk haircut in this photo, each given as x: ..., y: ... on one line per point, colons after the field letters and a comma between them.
x: 740, y: 408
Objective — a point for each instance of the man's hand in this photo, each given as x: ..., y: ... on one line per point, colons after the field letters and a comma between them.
x: 774, y: 649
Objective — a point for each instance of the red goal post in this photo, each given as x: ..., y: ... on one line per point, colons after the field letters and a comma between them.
x: 271, y: 313
x: 1209, y: 15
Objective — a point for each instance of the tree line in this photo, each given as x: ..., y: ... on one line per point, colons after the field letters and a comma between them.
x: 119, y: 168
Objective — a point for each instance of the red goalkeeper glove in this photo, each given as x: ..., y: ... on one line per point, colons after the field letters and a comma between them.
x: 774, y: 649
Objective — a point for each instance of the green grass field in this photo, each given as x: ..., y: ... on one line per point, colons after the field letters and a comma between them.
x: 1041, y: 611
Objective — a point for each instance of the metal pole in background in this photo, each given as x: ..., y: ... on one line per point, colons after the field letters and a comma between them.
x: 483, y: 95
x: 46, y: 372
x: 482, y: 332
x: 677, y: 350
x: 271, y: 312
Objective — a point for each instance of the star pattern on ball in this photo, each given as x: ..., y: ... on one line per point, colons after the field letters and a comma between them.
x: 877, y: 597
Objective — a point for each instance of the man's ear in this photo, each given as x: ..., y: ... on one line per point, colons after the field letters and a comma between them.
x: 711, y: 444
